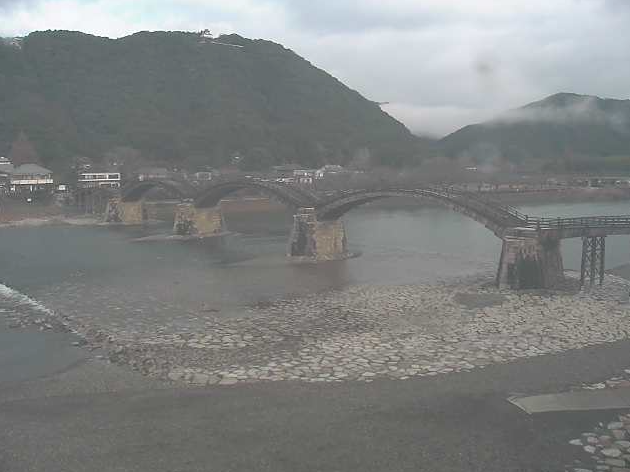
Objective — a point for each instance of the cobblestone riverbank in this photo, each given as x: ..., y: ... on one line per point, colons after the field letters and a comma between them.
x: 606, y: 446
x: 361, y: 333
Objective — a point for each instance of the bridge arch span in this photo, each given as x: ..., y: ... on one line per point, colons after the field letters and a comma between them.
x: 137, y: 191
x: 492, y: 216
x: 290, y: 196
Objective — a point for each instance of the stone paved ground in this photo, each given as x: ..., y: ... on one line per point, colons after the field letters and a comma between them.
x: 362, y: 333
x: 605, y: 448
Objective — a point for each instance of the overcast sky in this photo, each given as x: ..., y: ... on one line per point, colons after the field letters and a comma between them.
x: 440, y: 64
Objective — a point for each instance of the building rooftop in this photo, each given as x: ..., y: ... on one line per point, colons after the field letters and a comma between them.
x: 6, y: 167
x: 286, y: 167
x: 30, y: 169
x: 100, y: 171
x: 152, y: 170
x: 332, y: 167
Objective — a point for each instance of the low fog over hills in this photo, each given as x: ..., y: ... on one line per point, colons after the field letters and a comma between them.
x: 565, y: 130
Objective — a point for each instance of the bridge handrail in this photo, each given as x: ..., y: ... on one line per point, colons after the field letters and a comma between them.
x: 580, y: 222
x: 495, y: 210
x: 536, y: 222
x: 490, y: 209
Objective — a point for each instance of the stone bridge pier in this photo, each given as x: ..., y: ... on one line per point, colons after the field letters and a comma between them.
x: 530, y: 260
x: 129, y: 213
x: 314, y: 240
x: 193, y: 221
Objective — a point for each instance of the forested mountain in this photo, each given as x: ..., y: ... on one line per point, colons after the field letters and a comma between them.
x: 186, y: 100
x: 562, y: 132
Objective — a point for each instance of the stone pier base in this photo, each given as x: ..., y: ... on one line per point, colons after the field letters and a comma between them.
x: 530, y: 262
x: 192, y: 221
x: 130, y: 213
x: 316, y: 240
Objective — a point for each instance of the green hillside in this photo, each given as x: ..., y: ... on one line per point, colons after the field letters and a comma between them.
x: 181, y: 99
x: 564, y: 131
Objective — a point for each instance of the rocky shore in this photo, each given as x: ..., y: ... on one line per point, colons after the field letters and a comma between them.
x: 361, y: 333
x: 607, y: 447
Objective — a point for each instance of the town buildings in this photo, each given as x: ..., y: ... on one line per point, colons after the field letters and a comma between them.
x: 92, y: 179
x: 304, y: 176
x: 30, y: 178
x: 5, y: 169
x: 153, y: 173
x: 330, y: 170
x: 202, y: 176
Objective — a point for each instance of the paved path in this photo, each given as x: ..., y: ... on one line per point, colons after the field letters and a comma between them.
x: 605, y: 399
x: 97, y: 417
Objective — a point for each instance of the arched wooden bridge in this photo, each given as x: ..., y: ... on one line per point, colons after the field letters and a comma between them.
x: 530, y: 256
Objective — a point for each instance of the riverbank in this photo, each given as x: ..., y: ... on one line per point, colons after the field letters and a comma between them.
x: 52, y: 220
x: 12, y: 211
x: 361, y: 333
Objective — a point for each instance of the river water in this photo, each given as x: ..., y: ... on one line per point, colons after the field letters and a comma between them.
x: 102, y: 272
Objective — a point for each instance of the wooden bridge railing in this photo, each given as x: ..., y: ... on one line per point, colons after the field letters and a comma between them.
x: 620, y: 221
x: 535, y: 222
x: 500, y: 213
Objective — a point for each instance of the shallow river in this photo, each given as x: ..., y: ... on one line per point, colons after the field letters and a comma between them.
x: 100, y: 270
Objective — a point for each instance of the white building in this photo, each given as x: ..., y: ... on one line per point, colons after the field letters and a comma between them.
x: 304, y: 176
x: 5, y: 164
x: 5, y: 169
x: 30, y: 178
x: 328, y: 170
x: 91, y: 179
x: 153, y: 173
x: 202, y: 176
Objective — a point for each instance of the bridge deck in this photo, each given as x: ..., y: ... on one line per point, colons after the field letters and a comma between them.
x: 493, y: 214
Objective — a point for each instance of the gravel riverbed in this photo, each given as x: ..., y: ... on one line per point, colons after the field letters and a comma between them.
x: 360, y: 333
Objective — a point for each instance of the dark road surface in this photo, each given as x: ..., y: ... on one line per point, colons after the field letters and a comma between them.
x: 97, y: 417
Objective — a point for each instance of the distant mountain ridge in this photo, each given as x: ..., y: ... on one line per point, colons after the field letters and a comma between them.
x: 186, y: 100
x: 183, y: 99
x: 564, y: 129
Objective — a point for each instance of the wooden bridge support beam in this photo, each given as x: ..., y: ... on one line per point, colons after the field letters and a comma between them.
x: 530, y: 262
x: 192, y: 221
x: 91, y: 203
x: 593, y: 260
x: 315, y: 240
x: 125, y: 212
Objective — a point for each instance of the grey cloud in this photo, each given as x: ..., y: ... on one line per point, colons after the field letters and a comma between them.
x: 618, y: 4
x: 6, y: 4
x: 9, y: 5
x: 347, y: 16
x: 464, y: 72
